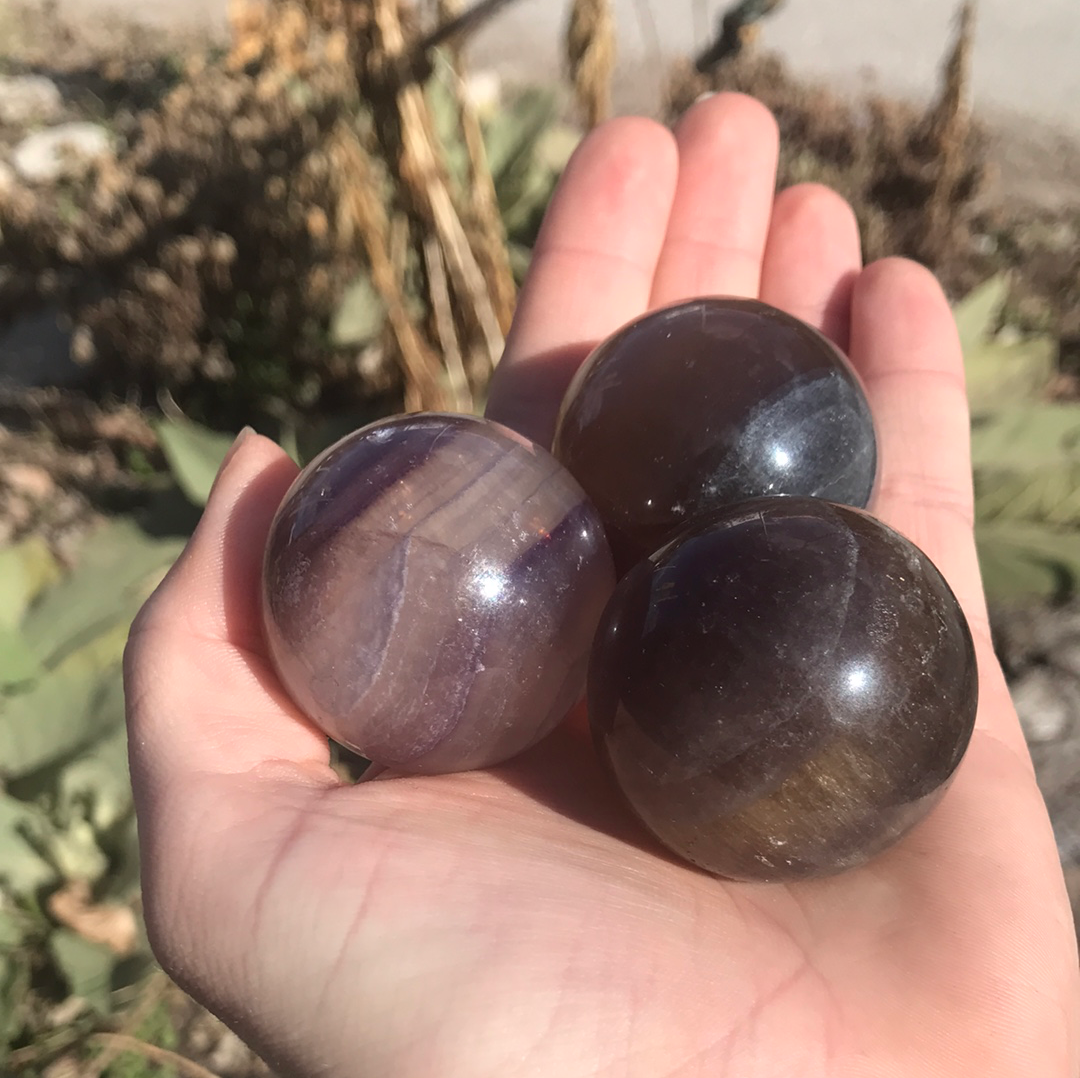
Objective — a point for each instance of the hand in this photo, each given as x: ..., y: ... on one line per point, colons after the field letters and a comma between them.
x: 515, y: 922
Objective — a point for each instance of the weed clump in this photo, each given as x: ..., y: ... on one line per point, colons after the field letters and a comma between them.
x: 916, y: 178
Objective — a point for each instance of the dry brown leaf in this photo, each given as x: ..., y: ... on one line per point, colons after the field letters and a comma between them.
x: 108, y: 923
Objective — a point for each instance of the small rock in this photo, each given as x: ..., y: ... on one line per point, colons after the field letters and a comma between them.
x: 29, y: 99
x: 83, y: 349
x: 17, y: 513
x: 483, y: 90
x: 61, y: 152
x: 30, y: 480
x: 230, y: 1055
x: 1067, y: 656
x: 64, y: 1067
x: 1009, y: 336
x: 1044, y: 708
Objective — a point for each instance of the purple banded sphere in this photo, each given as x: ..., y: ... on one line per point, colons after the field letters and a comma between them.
x: 707, y: 403
x: 784, y: 690
x: 431, y: 587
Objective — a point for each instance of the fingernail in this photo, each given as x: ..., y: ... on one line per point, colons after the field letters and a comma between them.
x: 242, y: 437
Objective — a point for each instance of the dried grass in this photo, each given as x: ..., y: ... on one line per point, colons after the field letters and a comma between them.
x: 274, y: 177
x: 483, y: 220
x: 219, y: 200
x: 363, y: 210
x: 947, y: 138
x: 590, y: 55
x: 383, y: 51
x: 915, y: 178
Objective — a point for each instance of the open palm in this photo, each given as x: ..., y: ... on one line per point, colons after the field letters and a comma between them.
x: 516, y: 922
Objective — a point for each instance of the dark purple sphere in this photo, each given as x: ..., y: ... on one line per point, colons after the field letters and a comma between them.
x: 707, y: 403
x: 431, y: 588
x: 784, y: 690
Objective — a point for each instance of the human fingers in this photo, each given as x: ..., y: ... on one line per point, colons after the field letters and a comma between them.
x: 812, y: 258
x: 905, y: 345
x: 728, y: 150
x: 592, y: 268
x: 201, y: 698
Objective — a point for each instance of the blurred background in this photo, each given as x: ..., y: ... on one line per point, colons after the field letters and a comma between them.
x: 274, y: 212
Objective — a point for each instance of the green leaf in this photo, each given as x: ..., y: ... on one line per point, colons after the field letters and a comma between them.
x: 527, y: 151
x: 360, y: 315
x: 26, y: 569
x: 11, y: 930
x: 119, y: 565
x: 512, y: 135
x: 121, y: 845
x: 75, y: 851
x: 86, y: 967
x: 99, y: 779
x: 1000, y: 375
x: 1022, y: 562
x: 18, y: 663
x: 1049, y: 497
x: 1027, y: 464
x: 14, y: 980
x: 65, y: 712
x: 22, y: 868
x: 1027, y: 436
x: 978, y: 312
x: 194, y: 455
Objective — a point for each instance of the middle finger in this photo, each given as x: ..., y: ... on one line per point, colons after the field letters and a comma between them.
x: 729, y: 146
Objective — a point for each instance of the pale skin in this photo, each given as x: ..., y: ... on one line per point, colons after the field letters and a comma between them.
x: 515, y: 922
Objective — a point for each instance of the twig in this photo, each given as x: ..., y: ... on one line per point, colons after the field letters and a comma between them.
x: 444, y: 323
x: 121, y: 1042
x: 492, y: 248
x: 151, y: 995
x: 398, y: 244
x: 950, y: 116
x: 421, y: 171
x: 460, y: 25
x: 55, y: 1042
x: 419, y: 365
x: 590, y: 53
x: 737, y: 26
x: 489, y: 230
x: 469, y: 280
x: 948, y: 127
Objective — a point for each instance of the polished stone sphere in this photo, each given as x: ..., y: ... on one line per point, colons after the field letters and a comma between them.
x: 706, y: 403
x: 431, y: 587
x: 784, y: 690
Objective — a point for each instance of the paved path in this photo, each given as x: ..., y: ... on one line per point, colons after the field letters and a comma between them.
x: 1027, y: 51
x: 1026, y: 64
